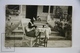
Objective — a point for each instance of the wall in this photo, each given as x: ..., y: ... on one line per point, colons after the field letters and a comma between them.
x: 44, y: 15
x: 40, y: 13
x: 64, y: 8
x: 22, y: 11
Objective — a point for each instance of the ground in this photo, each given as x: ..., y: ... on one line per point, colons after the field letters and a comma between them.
x: 51, y: 43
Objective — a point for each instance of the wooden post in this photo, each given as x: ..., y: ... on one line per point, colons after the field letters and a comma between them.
x: 48, y: 16
x: 20, y: 10
x: 49, y: 11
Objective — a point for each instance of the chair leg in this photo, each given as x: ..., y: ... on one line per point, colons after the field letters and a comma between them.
x: 37, y: 42
x: 46, y: 44
x: 31, y: 43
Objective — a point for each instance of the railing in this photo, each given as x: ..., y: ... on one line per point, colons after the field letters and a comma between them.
x: 10, y: 28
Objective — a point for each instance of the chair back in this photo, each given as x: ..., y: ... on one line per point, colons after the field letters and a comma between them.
x: 24, y: 22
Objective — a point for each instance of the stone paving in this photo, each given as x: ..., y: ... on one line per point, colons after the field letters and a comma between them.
x: 51, y: 43
x: 59, y: 43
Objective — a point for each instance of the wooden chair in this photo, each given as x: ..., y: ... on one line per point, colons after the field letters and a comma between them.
x: 30, y: 41
x: 42, y: 39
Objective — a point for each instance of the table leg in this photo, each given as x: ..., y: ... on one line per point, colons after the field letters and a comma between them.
x: 30, y: 42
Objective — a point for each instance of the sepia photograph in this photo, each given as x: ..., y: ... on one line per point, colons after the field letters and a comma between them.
x: 38, y: 26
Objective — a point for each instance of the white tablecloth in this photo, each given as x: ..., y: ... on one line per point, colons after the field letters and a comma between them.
x: 47, y: 31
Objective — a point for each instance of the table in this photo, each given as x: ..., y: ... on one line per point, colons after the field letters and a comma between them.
x: 46, y: 30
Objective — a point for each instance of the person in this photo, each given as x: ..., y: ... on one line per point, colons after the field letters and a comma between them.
x: 55, y: 27
x: 61, y: 30
x: 34, y: 18
x: 48, y: 30
x: 38, y: 18
x: 31, y: 29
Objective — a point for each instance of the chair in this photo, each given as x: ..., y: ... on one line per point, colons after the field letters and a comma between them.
x: 32, y: 40
x: 42, y: 39
x: 29, y: 41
